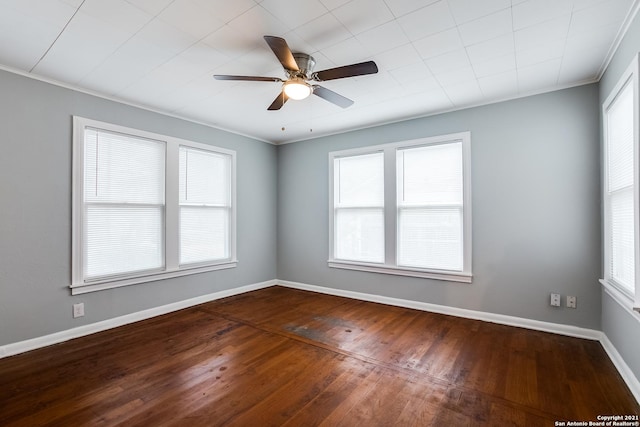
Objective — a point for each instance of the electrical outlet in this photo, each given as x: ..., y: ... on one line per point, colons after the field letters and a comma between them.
x: 555, y: 300
x: 571, y: 301
x: 78, y: 310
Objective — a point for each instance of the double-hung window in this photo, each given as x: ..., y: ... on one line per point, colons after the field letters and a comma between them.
x: 148, y: 207
x: 124, y: 204
x: 359, y: 207
x: 430, y: 206
x: 205, y: 205
x: 621, y: 240
x: 403, y: 208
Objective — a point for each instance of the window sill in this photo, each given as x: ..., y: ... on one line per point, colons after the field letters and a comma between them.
x: 83, y: 288
x: 400, y: 271
x: 622, y: 298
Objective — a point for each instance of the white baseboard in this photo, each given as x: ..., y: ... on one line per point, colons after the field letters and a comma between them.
x: 58, y: 337
x: 625, y: 371
x: 572, y: 331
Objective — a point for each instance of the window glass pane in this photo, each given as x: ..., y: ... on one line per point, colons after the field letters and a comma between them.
x: 430, y: 174
x: 123, y: 169
x: 124, y: 187
x: 430, y: 198
x: 622, y: 235
x: 620, y: 140
x: 205, y: 200
x: 123, y: 239
x: 359, y: 180
x: 204, y: 234
x: 359, y: 234
x: 204, y: 177
x: 430, y: 238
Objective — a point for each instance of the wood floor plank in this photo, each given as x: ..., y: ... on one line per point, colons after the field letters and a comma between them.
x: 151, y: 377
x: 280, y: 356
x: 221, y: 388
x: 340, y: 393
x: 301, y: 389
x: 341, y: 414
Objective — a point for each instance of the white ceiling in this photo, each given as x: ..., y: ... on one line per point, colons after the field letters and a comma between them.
x: 433, y: 55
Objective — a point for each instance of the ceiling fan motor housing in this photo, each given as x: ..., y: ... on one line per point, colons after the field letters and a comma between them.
x: 305, y: 64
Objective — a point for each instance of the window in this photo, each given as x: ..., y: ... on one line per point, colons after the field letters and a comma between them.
x: 359, y: 207
x: 205, y: 205
x: 403, y: 208
x: 430, y: 206
x: 124, y: 204
x: 620, y: 115
x: 148, y: 207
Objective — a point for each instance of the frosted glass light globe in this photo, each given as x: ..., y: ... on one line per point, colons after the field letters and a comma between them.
x: 297, y: 89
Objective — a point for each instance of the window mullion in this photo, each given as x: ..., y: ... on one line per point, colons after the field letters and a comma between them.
x: 390, y: 210
x: 466, y: 206
x: 77, y: 213
x: 172, y: 211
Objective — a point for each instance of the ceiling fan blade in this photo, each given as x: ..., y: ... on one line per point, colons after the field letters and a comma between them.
x: 332, y: 97
x: 278, y: 102
x: 279, y: 46
x: 247, y: 78
x: 360, y: 69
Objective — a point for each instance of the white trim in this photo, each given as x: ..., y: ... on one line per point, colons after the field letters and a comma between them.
x: 123, y: 101
x: 623, y: 369
x: 401, y: 271
x: 316, y: 134
x: 572, y: 331
x: 623, y: 300
x: 380, y: 124
x: 556, y: 328
x: 86, y: 288
x: 624, y: 28
x: 58, y: 337
x: 635, y: 65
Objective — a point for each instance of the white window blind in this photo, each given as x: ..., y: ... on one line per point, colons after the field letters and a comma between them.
x: 620, y: 188
x: 430, y: 206
x: 359, y: 207
x: 124, y: 180
x: 205, y: 205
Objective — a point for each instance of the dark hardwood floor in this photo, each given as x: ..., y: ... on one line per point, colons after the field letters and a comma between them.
x: 286, y: 357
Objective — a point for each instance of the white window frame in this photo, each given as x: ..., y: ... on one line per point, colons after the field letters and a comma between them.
x: 621, y: 294
x: 390, y: 265
x: 172, y: 267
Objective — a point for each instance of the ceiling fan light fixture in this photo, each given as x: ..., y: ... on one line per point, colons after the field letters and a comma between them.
x: 301, y: 79
x: 297, y: 89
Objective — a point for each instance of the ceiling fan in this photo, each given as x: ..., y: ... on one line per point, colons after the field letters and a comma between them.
x: 301, y: 78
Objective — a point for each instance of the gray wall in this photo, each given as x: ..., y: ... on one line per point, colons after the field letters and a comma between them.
x: 536, y: 217
x: 35, y: 212
x: 535, y: 200
x: 621, y: 327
